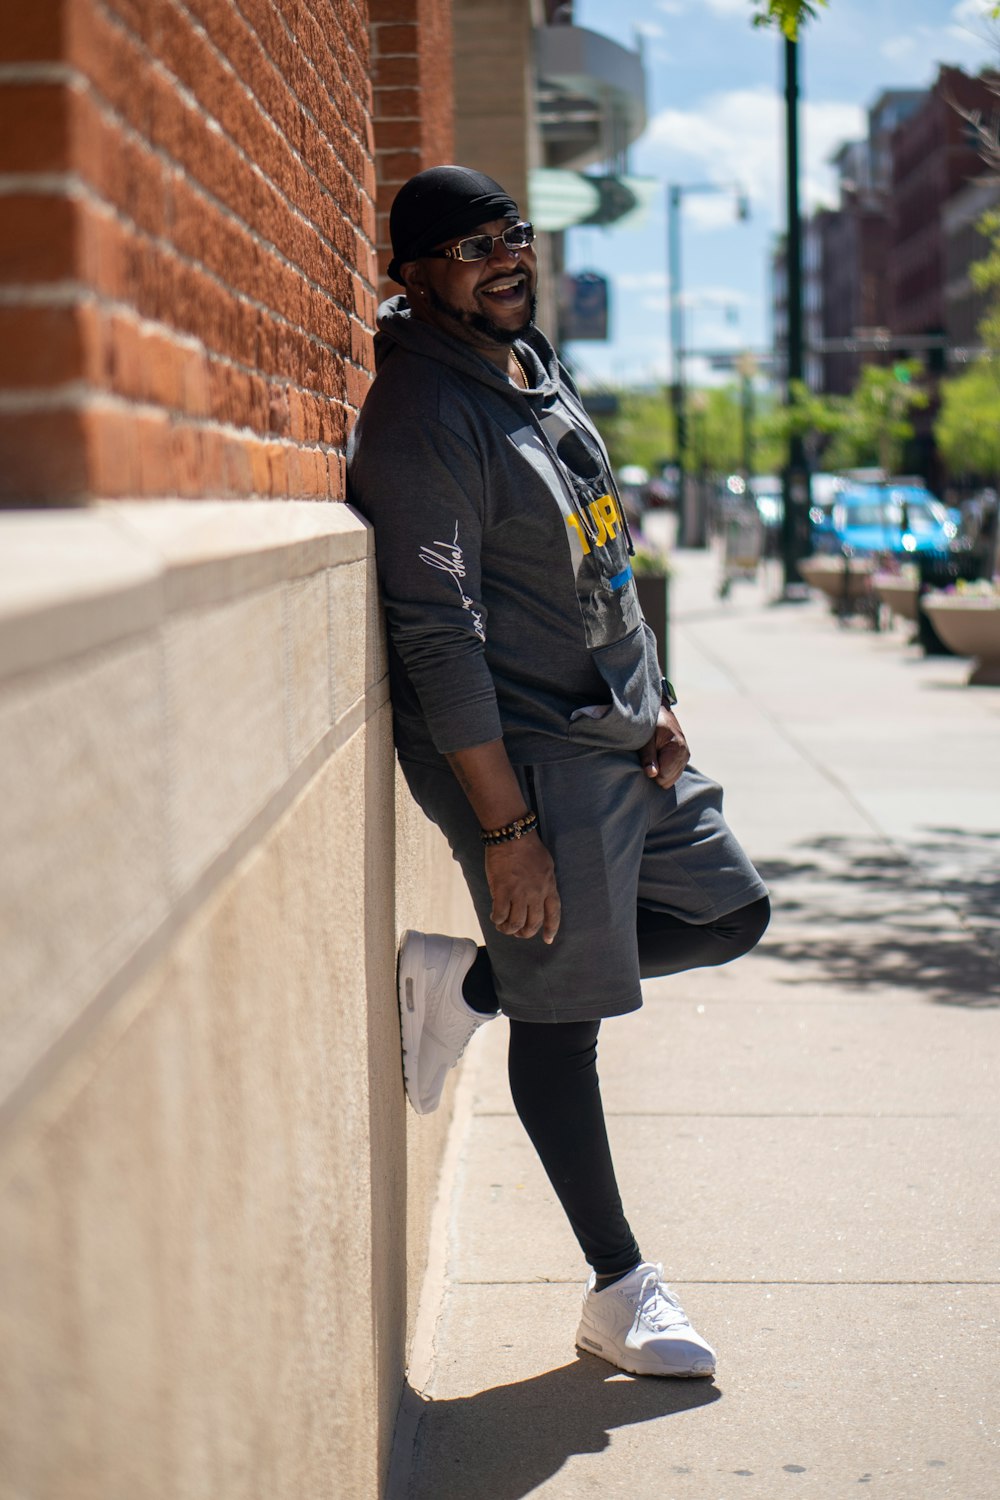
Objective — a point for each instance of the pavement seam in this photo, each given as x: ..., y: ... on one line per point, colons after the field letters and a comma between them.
x: 692, y: 1281
x: 744, y: 1114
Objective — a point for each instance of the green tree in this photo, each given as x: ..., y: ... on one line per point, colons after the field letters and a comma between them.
x: 641, y: 431
x: 967, y: 430
x: 985, y: 276
x: 806, y: 415
x: 788, y: 15
x: 715, y: 432
x: 873, y: 423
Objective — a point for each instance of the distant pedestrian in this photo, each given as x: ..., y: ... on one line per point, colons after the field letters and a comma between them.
x: 533, y: 725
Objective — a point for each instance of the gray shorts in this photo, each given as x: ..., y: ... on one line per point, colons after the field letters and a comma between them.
x: 618, y: 841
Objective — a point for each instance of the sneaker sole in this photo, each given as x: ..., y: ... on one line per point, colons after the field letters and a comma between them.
x: 412, y: 995
x: 589, y: 1342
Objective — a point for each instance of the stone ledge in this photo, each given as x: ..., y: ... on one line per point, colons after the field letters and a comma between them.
x: 72, y: 581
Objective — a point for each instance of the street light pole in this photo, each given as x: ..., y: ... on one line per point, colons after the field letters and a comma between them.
x: 795, y: 479
x: 690, y: 531
x: 746, y: 367
x: 677, y: 402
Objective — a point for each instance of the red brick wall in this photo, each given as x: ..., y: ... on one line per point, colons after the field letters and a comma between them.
x: 186, y: 263
x: 412, y: 78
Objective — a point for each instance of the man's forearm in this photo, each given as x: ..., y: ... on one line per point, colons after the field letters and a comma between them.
x: 487, y: 778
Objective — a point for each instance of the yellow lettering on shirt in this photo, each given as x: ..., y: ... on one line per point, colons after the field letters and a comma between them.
x: 604, y: 514
x: 574, y: 521
x: 609, y: 511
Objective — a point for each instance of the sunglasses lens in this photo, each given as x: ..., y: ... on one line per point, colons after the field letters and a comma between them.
x: 519, y: 236
x: 477, y: 247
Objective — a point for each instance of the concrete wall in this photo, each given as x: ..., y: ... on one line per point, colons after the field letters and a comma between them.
x: 214, y: 1199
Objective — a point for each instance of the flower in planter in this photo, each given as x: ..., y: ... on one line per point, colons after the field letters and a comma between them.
x: 649, y: 561
x: 973, y: 588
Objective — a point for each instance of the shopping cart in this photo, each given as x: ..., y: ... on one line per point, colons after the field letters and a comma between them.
x: 742, y: 540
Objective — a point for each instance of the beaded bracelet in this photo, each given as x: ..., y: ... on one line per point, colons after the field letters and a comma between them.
x: 515, y: 830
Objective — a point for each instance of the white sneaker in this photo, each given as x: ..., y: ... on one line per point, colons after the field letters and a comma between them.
x: 435, y: 1021
x: 638, y: 1324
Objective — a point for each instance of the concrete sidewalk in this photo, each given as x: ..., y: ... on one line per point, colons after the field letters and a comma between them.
x: 807, y: 1139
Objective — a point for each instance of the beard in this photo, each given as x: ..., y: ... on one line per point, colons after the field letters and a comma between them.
x: 474, y: 322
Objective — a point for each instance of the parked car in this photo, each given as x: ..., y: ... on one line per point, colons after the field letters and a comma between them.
x: 902, y: 520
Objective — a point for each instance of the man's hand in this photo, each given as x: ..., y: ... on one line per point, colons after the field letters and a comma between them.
x: 522, y: 880
x: 665, y: 755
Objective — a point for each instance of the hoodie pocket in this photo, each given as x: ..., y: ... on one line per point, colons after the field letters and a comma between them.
x: 630, y: 670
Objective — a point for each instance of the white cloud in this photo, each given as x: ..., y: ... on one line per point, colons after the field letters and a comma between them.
x: 898, y: 48
x: 728, y: 7
x: 641, y: 281
x: 720, y: 298
x: 651, y: 30
x: 967, y: 12
x: 671, y: 7
x: 738, y: 138
x: 712, y: 313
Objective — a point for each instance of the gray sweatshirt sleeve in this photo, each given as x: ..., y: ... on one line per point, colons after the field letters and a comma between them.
x: 422, y: 488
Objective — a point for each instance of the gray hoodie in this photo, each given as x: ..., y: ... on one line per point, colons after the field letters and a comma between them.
x: 502, y: 553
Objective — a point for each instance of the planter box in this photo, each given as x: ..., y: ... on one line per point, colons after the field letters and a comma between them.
x: 654, y: 601
x: 898, y: 593
x: 969, y: 627
x: 846, y: 581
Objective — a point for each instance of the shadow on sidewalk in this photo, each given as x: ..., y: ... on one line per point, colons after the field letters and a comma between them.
x: 501, y: 1444
x: 858, y: 913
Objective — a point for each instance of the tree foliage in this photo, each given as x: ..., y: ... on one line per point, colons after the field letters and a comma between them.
x: 867, y: 428
x: 985, y: 276
x: 874, y: 421
x: 787, y: 15
x: 967, y: 430
x: 642, y: 431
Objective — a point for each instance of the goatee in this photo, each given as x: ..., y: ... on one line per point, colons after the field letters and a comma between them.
x: 480, y: 323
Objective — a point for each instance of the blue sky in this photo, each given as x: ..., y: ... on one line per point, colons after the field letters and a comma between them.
x: 715, y: 114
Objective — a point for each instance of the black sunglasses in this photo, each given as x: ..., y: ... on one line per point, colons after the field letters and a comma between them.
x: 480, y: 246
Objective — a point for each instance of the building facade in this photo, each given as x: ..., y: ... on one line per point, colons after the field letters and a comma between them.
x: 936, y: 152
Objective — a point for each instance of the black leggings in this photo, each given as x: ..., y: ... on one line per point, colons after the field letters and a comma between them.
x: 554, y: 1083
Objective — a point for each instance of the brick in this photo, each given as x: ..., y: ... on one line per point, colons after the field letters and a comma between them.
x: 395, y: 133
x: 356, y: 384
x: 238, y: 480
x: 32, y: 32
x: 392, y: 10
x: 37, y: 238
x: 395, y: 104
x: 40, y: 346
x: 395, y: 72
x: 386, y: 194
x: 399, y: 166
x: 43, y: 459
x: 333, y: 422
x: 392, y: 39
x: 33, y: 127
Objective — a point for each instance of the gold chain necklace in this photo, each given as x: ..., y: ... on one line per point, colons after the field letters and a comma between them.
x: 520, y: 370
